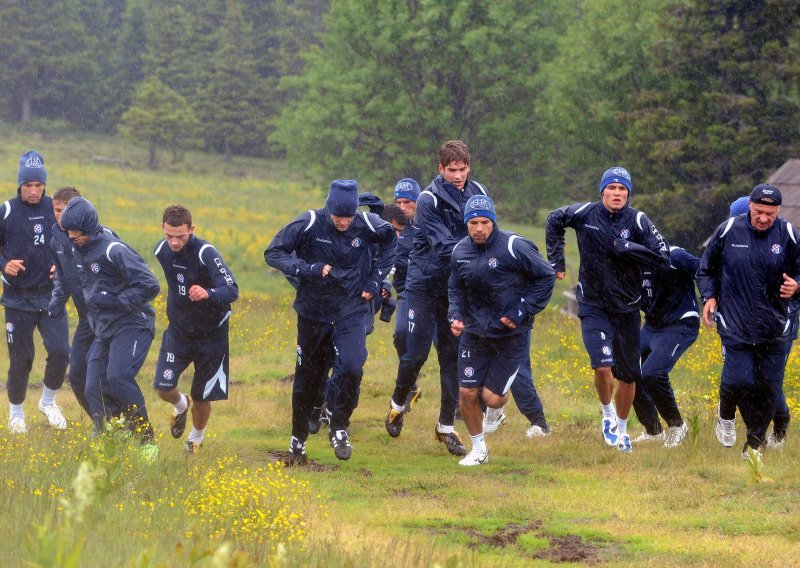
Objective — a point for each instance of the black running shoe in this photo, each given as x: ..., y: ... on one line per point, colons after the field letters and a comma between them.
x: 413, y: 396
x: 394, y: 421
x: 340, y: 444
x: 453, y: 442
x: 178, y: 426
x: 314, y: 420
x: 297, y: 453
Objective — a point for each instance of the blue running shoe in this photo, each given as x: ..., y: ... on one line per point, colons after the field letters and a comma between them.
x: 610, y: 431
x: 624, y: 444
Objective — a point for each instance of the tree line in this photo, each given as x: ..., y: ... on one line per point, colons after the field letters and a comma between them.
x: 699, y: 100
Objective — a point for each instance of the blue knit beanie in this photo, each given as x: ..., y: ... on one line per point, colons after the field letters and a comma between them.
x: 343, y: 198
x: 406, y: 188
x: 31, y: 168
x: 479, y: 206
x: 616, y: 175
x: 740, y: 206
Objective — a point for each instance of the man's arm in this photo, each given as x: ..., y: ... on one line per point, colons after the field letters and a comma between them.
x: 384, y: 257
x: 540, y: 275
x: 142, y: 285
x: 223, y: 286
x: 653, y: 251
x: 709, y: 273
x: 280, y: 255
x: 555, y: 228
x: 429, y: 221
x: 455, y: 298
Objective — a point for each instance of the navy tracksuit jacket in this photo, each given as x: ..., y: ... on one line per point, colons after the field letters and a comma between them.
x: 25, y: 233
x: 672, y: 323
x: 743, y: 269
x: 438, y: 227
x: 331, y: 312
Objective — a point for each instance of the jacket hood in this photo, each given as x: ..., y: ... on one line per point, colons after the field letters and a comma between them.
x: 80, y: 215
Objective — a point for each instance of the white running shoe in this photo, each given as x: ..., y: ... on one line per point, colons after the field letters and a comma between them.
x: 726, y: 432
x: 676, y: 435
x: 624, y: 444
x: 54, y: 416
x: 16, y: 425
x: 493, y: 419
x: 536, y: 431
x: 645, y: 437
x: 609, y: 430
x: 776, y: 441
x: 475, y: 457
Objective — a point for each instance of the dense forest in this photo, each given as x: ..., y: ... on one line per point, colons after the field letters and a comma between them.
x: 699, y: 100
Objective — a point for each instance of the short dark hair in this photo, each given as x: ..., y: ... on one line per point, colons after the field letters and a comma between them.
x: 65, y: 194
x: 453, y: 151
x: 393, y: 213
x: 177, y: 215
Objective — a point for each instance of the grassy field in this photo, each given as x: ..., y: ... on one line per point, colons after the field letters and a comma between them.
x: 74, y: 501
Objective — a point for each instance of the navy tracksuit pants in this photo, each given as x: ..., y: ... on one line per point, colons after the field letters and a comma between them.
x: 427, y: 318
x: 318, y: 344
x: 82, y: 340
x: 524, y: 392
x: 19, y: 337
x: 752, y: 379
x: 660, y: 350
x: 111, y: 369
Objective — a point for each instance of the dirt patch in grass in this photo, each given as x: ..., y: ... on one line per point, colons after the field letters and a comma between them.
x: 570, y: 548
x: 312, y: 465
x: 287, y: 379
x: 506, y: 536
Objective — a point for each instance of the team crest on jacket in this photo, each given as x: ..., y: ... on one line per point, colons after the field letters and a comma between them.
x: 411, y: 314
x: 776, y: 249
x: 492, y: 263
x: 606, y: 350
x: 355, y: 243
x: 94, y: 267
x: 37, y: 228
x: 624, y: 233
x: 646, y: 283
x: 168, y: 374
x: 180, y: 278
x: 10, y: 327
x: 469, y: 371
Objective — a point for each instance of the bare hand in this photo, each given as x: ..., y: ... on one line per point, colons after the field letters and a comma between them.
x: 709, y: 309
x: 326, y: 270
x: 508, y: 323
x: 789, y: 287
x: 367, y: 295
x: 385, y: 293
x: 53, y: 272
x: 457, y: 327
x: 14, y: 267
x: 560, y: 275
x: 198, y: 293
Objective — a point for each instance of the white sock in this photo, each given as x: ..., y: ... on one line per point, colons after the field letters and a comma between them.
x: 397, y: 407
x: 181, y: 405
x: 196, y: 435
x: 478, y: 442
x: 48, y: 396
x: 444, y: 429
x: 608, y: 410
x: 622, y: 427
x: 15, y: 411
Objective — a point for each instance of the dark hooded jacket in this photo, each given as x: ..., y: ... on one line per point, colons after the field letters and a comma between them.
x: 361, y: 258
x: 25, y: 233
x: 506, y: 277
x: 117, y: 284
x: 669, y: 295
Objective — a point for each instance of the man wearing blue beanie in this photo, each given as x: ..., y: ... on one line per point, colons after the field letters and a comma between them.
x: 26, y: 225
x: 498, y: 283
x: 340, y: 257
x: 406, y: 192
x: 615, y: 241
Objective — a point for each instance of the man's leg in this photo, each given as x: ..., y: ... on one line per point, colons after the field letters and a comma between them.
x: 770, y: 365
x: 102, y: 401
x: 400, y: 334
x: 737, y: 380
x: 55, y: 336
x: 525, y: 396
x: 627, y: 370
x: 126, y: 354
x: 643, y: 405
x: 421, y: 329
x: 314, y: 352
x: 597, y: 334
x: 350, y: 343
x: 81, y: 341
x: 21, y: 351
x: 174, y: 357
